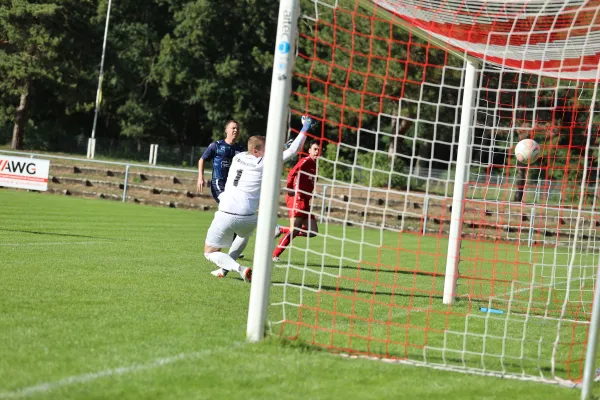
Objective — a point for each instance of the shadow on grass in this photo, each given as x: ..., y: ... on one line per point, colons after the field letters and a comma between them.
x: 380, y: 292
x: 380, y: 270
x: 58, y: 234
x: 296, y: 344
x: 358, y: 290
x: 329, y: 288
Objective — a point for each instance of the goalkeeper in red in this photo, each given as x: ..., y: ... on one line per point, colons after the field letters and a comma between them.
x: 300, y: 187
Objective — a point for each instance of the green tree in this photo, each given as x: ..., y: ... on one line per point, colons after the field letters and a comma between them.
x: 175, y: 70
x: 46, y: 64
x: 218, y: 58
x: 370, y: 76
x: 132, y: 106
x: 28, y: 55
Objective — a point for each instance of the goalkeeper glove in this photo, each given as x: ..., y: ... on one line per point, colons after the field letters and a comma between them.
x: 307, y: 123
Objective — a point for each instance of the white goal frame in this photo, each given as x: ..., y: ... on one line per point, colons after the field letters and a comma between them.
x: 283, y: 61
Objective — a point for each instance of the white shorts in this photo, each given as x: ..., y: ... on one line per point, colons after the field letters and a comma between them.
x: 224, y: 226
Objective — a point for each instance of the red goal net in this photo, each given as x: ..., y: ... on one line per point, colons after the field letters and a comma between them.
x: 386, y: 80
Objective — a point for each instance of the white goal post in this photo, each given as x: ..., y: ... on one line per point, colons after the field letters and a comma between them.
x: 460, y: 181
x: 283, y: 65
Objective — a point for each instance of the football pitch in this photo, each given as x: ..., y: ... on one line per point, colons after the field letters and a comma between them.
x: 108, y: 300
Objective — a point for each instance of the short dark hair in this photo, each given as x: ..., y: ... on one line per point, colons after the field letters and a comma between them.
x: 313, y: 142
x: 230, y: 121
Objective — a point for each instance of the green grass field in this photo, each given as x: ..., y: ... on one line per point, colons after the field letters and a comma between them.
x: 109, y: 300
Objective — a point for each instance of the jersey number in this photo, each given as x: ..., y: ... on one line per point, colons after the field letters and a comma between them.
x: 238, y: 175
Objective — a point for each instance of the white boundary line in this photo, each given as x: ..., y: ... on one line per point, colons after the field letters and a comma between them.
x: 92, y: 376
x: 467, y: 370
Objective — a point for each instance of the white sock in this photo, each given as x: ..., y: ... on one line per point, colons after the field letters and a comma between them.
x: 238, y: 246
x: 223, y: 260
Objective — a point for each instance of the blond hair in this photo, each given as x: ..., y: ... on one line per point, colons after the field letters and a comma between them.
x: 256, y: 143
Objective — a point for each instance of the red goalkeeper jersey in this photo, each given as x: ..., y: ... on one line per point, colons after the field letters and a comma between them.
x: 302, y: 177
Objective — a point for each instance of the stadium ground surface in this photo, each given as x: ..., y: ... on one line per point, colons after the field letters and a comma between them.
x: 109, y: 300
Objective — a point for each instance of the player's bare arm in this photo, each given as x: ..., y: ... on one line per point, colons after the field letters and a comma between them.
x: 209, y: 155
x: 201, y: 182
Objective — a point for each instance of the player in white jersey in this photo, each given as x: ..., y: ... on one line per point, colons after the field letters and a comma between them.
x: 239, y: 203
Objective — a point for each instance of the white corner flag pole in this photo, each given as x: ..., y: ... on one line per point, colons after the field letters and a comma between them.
x: 283, y: 61
x: 92, y: 141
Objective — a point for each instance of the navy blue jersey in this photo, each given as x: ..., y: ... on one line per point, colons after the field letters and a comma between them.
x: 221, y: 153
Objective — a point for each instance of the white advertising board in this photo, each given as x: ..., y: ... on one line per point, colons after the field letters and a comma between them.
x: 24, y: 173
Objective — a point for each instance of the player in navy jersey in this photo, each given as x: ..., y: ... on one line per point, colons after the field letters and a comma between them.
x: 220, y: 153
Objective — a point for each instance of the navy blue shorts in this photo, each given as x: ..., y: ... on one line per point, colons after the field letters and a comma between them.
x: 217, y: 186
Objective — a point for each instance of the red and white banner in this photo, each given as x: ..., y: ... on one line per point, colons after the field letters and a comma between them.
x: 24, y: 173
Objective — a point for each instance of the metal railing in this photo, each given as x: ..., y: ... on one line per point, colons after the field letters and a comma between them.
x: 85, y: 160
x: 326, y: 189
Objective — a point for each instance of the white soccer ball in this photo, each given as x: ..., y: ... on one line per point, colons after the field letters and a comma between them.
x: 527, y: 151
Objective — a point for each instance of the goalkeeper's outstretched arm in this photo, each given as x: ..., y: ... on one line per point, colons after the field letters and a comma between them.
x: 299, y: 141
x: 294, y: 147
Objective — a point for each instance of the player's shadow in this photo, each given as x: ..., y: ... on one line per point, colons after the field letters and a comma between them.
x: 378, y: 292
x: 398, y: 293
x: 379, y: 270
x: 56, y: 234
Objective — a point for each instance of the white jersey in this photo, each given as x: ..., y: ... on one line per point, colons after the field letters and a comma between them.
x: 242, y: 190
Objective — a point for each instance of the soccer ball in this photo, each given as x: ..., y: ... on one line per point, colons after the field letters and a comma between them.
x: 527, y: 151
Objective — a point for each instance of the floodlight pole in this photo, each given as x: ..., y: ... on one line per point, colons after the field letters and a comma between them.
x: 92, y: 141
x: 460, y: 181
x: 283, y: 62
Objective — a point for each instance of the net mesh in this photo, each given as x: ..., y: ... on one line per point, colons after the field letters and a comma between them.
x: 385, y: 79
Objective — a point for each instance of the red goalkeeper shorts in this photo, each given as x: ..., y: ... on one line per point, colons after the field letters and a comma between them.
x: 298, y: 206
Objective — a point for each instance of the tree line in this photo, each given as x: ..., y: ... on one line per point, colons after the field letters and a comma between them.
x: 174, y: 70
x: 177, y: 70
